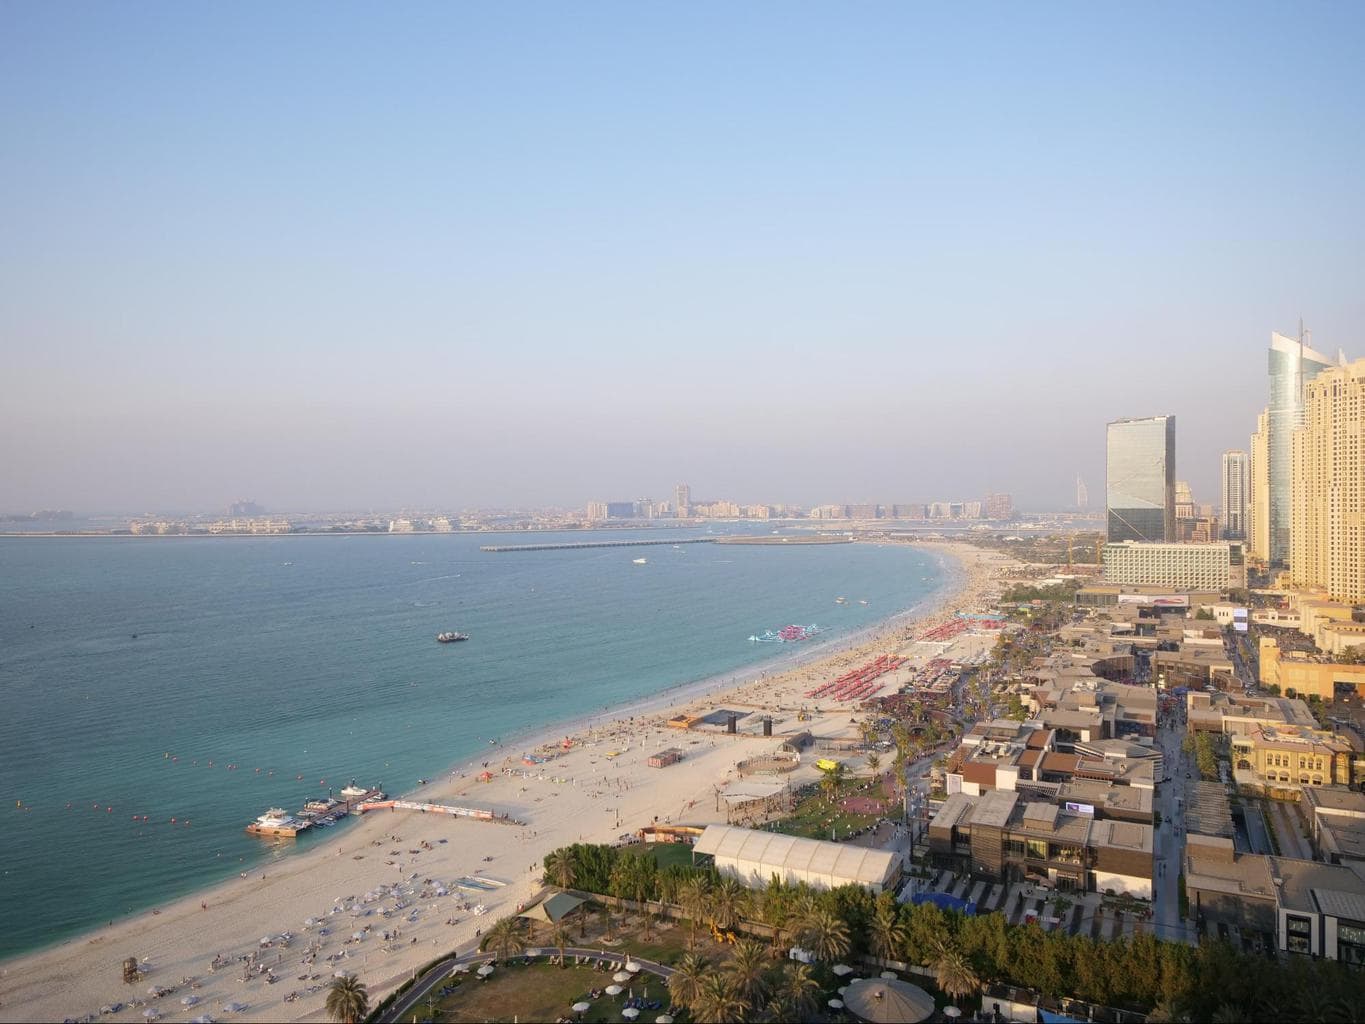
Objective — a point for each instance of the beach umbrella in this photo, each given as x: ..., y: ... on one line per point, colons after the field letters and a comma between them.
x: 889, y: 974
x: 150, y: 1013
x: 843, y: 989
x: 836, y: 1004
x: 189, y: 1000
x: 620, y: 976
x: 265, y: 940
x: 484, y: 971
x: 341, y: 974
x: 952, y: 1011
x: 842, y: 969
x: 582, y: 1007
x: 613, y: 990
x: 632, y: 966
x: 663, y: 1018
x: 630, y: 1013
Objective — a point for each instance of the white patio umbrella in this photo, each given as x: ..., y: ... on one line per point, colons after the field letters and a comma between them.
x: 952, y: 1011
x: 630, y: 1013
x: 632, y: 966
x: 620, y: 976
x: 613, y: 990
x: 663, y: 1018
x: 484, y: 971
x: 582, y: 1007
x: 341, y: 974
x: 842, y: 969
x: 836, y: 1004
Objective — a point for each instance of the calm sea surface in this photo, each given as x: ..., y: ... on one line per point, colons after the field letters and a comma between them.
x: 308, y: 661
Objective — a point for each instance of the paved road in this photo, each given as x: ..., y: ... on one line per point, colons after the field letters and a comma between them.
x: 1169, y: 840
x: 418, y: 993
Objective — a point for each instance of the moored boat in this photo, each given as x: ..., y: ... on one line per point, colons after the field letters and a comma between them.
x: 451, y: 637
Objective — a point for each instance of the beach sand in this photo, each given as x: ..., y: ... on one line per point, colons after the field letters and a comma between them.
x: 578, y: 794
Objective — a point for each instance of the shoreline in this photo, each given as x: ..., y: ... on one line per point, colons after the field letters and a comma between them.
x: 253, y: 906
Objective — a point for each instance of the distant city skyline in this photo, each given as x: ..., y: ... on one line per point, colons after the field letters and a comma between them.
x: 482, y: 256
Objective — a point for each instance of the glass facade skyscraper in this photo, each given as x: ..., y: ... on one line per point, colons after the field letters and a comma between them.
x: 1292, y: 365
x: 1140, y: 485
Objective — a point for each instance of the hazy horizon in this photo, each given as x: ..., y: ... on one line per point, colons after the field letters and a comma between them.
x: 472, y: 256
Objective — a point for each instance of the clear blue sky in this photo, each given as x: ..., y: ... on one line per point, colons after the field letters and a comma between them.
x: 456, y: 254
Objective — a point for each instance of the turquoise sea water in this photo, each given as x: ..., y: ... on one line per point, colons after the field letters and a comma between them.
x: 307, y: 661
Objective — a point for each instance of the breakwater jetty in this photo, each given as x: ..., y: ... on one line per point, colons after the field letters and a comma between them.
x: 596, y: 544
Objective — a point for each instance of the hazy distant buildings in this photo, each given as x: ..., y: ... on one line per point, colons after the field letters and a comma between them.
x: 1184, y: 500
x: 1235, y: 478
x: 1292, y: 364
x: 1207, y: 566
x: 1258, y: 494
x: 597, y: 511
x: 1082, y: 494
x: 242, y: 507
x: 997, y: 506
x: 1327, y: 533
x: 682, y: 501
x: 1140, y: 485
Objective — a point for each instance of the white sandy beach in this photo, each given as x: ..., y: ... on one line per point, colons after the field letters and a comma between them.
x: 580, y: 794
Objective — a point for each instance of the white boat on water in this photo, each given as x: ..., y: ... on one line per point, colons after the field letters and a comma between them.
x: 640, y: 561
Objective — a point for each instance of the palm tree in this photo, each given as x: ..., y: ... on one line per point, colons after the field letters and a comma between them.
x: 347, y: 1000
x: 798, y: 992
x: 560, y: 869
x: 886, y: 933
x: 694, y: 896
x: 503, y: 938
x: 560, y: 938
x: 825, y: 935
x: 874, y: 762
x: 1164, y: 1013
x: 725, y: 903
x: 685, y: 981
x: 953, y: 971
x: 716, y: 1002
x: 746, y: 968
x: 831, y: 780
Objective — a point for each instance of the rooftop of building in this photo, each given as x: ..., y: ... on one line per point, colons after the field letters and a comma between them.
x: 1335, y: 800
x: 1213, y: 865
x: 1309, y: 886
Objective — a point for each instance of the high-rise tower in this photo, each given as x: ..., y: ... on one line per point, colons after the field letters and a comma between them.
x: 1258, y: 498
x: 682, y: 501
x: 1327, y: 533
x: 1292, y: 365
x: 1140, y: 484
x: 1235, y: 480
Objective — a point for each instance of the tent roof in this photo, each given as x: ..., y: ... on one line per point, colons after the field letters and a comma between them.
x: 777, y: 853
x: 553, y: 909
x: 882, y: 1000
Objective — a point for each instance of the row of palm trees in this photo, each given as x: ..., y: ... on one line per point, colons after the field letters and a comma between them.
x: 748, y: 986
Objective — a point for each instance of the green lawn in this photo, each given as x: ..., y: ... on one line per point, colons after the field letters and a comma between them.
x: 541, y: 992
x: 666, y: 854
x: 814, y: 816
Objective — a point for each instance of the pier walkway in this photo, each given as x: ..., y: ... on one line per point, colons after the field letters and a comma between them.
x: 477, y: 813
